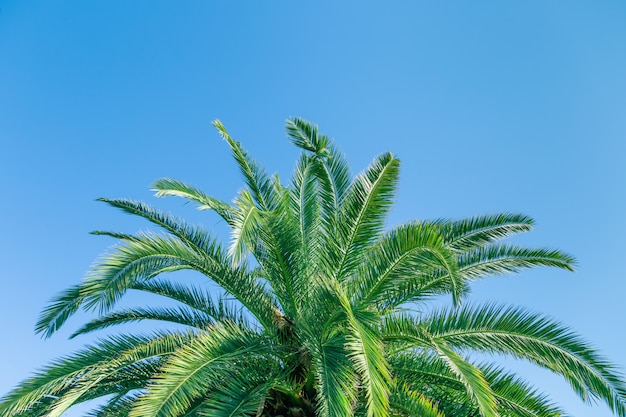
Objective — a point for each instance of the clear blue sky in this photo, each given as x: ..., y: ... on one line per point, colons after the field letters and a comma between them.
x: 491, y: 106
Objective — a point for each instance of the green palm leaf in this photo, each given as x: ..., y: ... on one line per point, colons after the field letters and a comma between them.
x: 208, y: 361
x: 478, y: 231
x: 413, y: 403
x: 96, y: 363
x: 118, y: 406
x: 59, y: 310
x: 328, y: 164
x: 260, y: 185
x: 516, y: 397
x: 244, y: 225
x: 502, y: 259
x: 475, y: 382
x: 335, y: 377
x: 166, y: 187
x: 178, y: 315
x: 363, y: 211
x: 530, y: 336
x: 306, y: 136
x: 402, y: 256
x: 306, y: 206
x: 428, y: 374
x: 223, y: 309
x: 243, y: 395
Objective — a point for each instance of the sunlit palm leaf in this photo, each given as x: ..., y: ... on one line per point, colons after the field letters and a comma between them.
x: 255, y: 177
x: 179, y: 315
x: 473, y: 379
x: 363, y: 211
x: 478, y: 231
x: 402, y: 256
x: 502, y: 259
x: 336, y: 379
x: 208, y: 361
x: 413, y: 403
x: 96, y: 363
x: 514, y: 331
x: 166, y: 187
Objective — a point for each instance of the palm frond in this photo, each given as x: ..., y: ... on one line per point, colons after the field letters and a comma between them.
x: 66, y: 380
x: 306, y: 136
x: 207, y: 362
x: 516, y: 396
x: 329, y: 170
x: 363, y: 212
x: 475, y: 383
x: 335, y: 179
x: 423, y: 286
x: 400, y: 332
x: 177, y: 315
x: 365, y: 349
x: 425, y: 372
x: 270, y: 197
x: 141, y: 260
x: 513, y: 331
x: 336, y: 380
x: 59, y: 310
x: 256, y: 179
x: 137, y: 260
x: 155, y: 348
x: 194, y: 237
x: 328, y: 164
x: 166, y: 187
x: 244, y: 393
x: 405, y: 254
x: 118, y: 406
x: 478, y: 231
x: 243, y: 228
x: 305, y: 204
x: 501, y: 259
x: 116, y: 235
x: 404, y: 333
x: 223, y: 309
x: 282, y: 264
x: 413, y: 403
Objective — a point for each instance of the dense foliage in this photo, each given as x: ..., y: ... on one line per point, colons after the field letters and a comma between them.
x: 322, y: 311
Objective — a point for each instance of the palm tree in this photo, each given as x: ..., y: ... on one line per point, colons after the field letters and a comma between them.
x: 322, y: 311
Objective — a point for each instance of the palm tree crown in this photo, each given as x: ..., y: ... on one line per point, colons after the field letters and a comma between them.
x: 313, y: 316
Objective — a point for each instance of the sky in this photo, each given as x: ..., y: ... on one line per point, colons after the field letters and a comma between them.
x: 491, y: 106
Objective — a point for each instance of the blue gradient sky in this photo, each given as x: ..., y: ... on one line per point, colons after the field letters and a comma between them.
x: 491, y: 106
